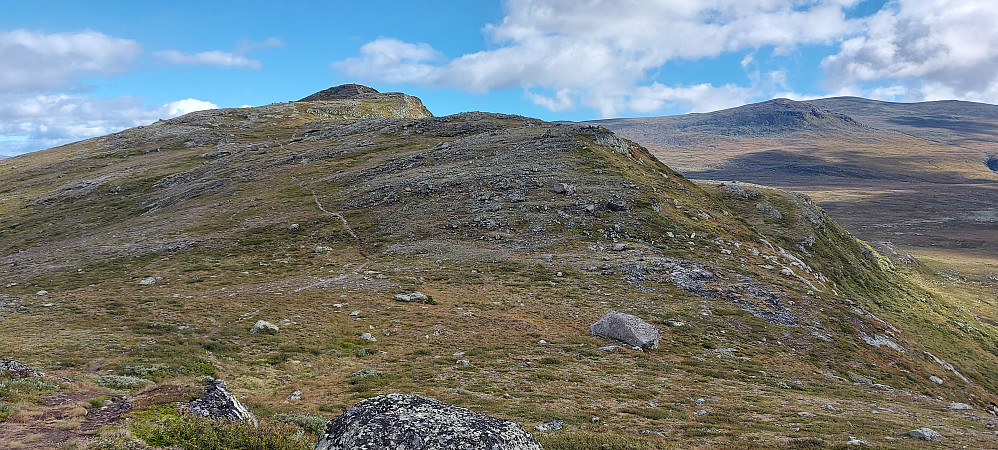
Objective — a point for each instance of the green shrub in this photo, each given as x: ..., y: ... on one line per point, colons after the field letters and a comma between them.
x: 209, y: 434
x: 6, y: 411
x: 310, y: 423
x: 121, y: 382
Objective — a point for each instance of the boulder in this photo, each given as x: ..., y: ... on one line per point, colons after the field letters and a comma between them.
x: 400, y: 421
x: 148, y: 281
x: 563, y: 189
x: 219, y: 403
x: 925, y: 434
x: 18, y: 369
x: 262, y: 326
x: 626, y: 328
x: 960, y: 406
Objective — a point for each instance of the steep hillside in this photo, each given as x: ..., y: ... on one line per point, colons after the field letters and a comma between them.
x: 150, y: 253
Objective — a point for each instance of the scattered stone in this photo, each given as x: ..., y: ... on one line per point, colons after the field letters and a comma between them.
x: 554, y: 425
x: 463, y: 362
x: 807, y: 414
x: 415, y: 422
x: 542, y: 342
x: 594, y: 420
x: 626, y: 328
x: 700, y: 412
x: 322, y: 249
x: 830, y: 407
x: 619, y: 246
x: 390, y: 331
x: 355, y: 313
x: 959, y: 406
x: 368, y: 337
x: 219, y: 403
x: 700, y: 402
x: 19, y: 369
x: 925, y: 434
x: 147, y: 281
x: 609, y: 348
x: 936, y: 379
x: 563, y: 189
x: 264, y: 327
x: 797, y: 384
x: 787, y: 272
x: 858, y: 442
x: 296, y: 395
x: 42, y: 293
x: 417, y: 297
x: 294, y: 227
x: 616, y: 204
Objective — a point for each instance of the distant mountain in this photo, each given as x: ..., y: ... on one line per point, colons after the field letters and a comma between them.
x: 917, y: 174
x: 949, y: 121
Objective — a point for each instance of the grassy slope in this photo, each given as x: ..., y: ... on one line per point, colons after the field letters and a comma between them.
x: 422, y: 211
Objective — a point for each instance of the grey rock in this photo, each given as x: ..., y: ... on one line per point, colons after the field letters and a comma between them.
x: 262, y: 326
x: 700, y: 402
x: 563, y: 189
x: 322, y: 249
x: 925, y: 434
x: 19, y: 369
x: 296, y: 395
x: 807, y: 414
x: 554, y: 425
x: 616, y: 204
x: 936, y: 379
x: 42, y: 293
x: 417, y: 297
x: 858, y: 442
x: 368, y: 337
x: 626, y: 328
x: 700, y: 412
x: 294, y: 227
x: 463, y: 362
x: 959, y: 406
x: 147, y: 281
x: 366, y: 373
x: 619, y: 246
x: 341, y: 92
x: 355, y: 313
x: 399, y: 421
x: 609, y: 348
x: 219, y: 403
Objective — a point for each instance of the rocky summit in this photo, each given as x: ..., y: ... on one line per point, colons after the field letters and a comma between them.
x: 324, y: 255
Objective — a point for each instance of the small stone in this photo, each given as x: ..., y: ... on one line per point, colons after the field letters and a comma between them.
x: 463, y: 362
x: 609, y: 348
x: 355, y: 313
x: 219, y: 403
x: 619, y: 246
x: 960, y: 406
x: 787, y: 272
x: 322, y: 249
x: 563, y: 189
x: 553, y: 425
x: 368, y: 337
x: 807, y: 414
x: 925, y: 434
x: 296, y: 395
x: 42, y: 293
x: 858, y: 442
x: 542, y: 342
x: 936, y: 379
x: 264, y: 327
x: 700, y: 402
x: 594, y: 420
x: 294, y: 227
x: 700, y: 412
x: 616, y: 204
x: 830, y: 407
x: 150, y: 281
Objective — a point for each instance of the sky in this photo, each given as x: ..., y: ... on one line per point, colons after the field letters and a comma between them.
x: 71, y: 70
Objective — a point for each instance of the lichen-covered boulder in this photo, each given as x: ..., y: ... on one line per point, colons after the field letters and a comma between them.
x: 626, y: 328
x: 18, y: 369
x: 412, y: 422
x: 219, y: 403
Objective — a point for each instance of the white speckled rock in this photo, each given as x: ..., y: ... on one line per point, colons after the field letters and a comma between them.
x: 412, y: 422
x: 264, y: 327
x: 219, y: 403
x: 626, y: 328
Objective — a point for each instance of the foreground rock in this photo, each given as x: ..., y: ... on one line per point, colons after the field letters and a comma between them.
x: 219, y: 403
x: 18, y: 369
x: 925, y: 434
x: 626, y: 328
x: 398, y: 421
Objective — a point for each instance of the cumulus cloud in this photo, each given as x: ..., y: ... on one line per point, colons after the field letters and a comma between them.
x: 35, y: 122
x: 600, y: 53
x: 924, y: 50
x: 236, y: 58
x: 38, y: 61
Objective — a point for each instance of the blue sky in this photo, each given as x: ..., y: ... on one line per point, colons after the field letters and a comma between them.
x: 71, y: 70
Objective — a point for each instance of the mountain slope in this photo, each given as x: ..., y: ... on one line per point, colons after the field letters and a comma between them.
x: 313, y: 215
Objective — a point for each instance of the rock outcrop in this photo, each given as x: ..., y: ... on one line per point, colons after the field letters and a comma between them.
x: 219, y: 403
x: 18, y: 369
x: 399, y: 421
x: 626, y: 328
x: 341, y: 92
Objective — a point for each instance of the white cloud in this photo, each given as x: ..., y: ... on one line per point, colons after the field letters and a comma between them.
x: 924, y: 50
x: 236, y: 58
x: 38, y: 61
x: 35, y: 122
x: 599, y: 53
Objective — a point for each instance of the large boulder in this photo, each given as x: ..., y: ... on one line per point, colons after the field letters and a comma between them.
x: 626, y: 328
x: 412, y: 422
x: 219, y: 403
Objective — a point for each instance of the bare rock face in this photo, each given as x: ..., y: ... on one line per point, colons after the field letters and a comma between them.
x: 412, y: 422
x: 626, y: 328
x: 219, y: 403
x: 341, y: 92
